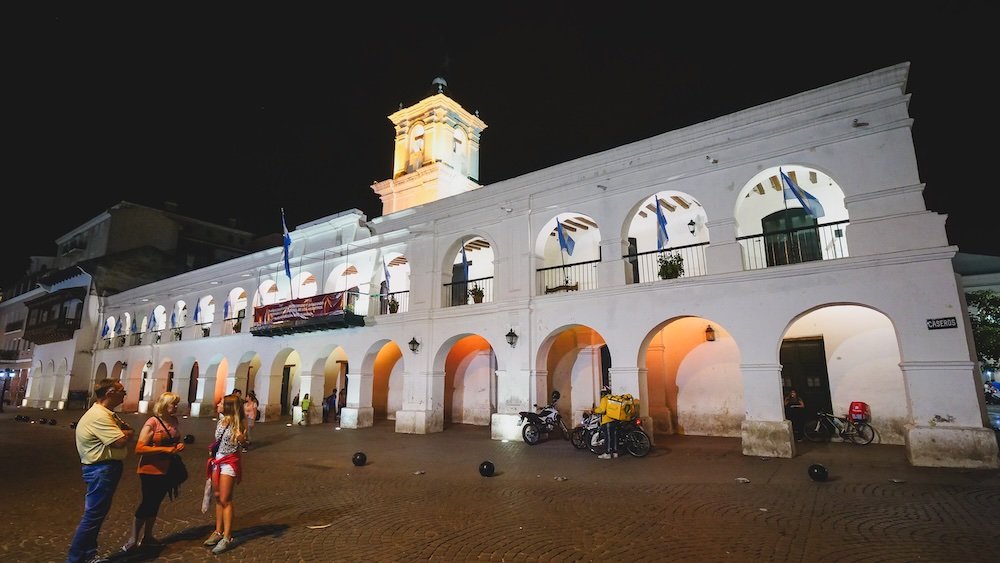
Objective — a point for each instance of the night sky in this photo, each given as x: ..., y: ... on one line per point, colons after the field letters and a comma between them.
x: 236, y: 112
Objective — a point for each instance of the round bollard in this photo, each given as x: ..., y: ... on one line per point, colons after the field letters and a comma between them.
x: 43, y: 421
x: 818, y: 473
x: 359, y: 459
x: 189, y: 438
x: 52, y: 422
x: 486, y: 468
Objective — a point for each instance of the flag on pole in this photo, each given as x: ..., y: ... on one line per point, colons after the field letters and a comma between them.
x: 197, y: 311
x: 792, y: 191
x: 118, y: 326
x: 173, y: 319
x: 104, y: 332
x: 134, y: 327
x: 225, y: 309
x: 385, y: 270
x: 661, y: 227
x: 465, y: 263
x: 566, y: 242
x: 287, y: 242
x: 152, y: 323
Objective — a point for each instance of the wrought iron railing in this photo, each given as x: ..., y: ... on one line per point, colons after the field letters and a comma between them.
x: 794, y: 246
x: 581, y: 276
x: 393, y: 302
x: 465, y: 292
x: 646, y: 265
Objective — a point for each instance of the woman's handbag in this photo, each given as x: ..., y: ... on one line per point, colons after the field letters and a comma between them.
x: 177, y: 472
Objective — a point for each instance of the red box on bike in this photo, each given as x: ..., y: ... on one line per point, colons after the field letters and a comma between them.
x: 859, y: 411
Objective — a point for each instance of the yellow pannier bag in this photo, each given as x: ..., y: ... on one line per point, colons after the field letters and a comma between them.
x: 622, y: 407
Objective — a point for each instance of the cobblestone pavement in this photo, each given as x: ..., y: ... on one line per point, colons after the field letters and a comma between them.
x: 421, y: 498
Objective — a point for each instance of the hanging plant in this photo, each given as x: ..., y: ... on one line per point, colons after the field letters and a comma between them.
x: 671, y: 265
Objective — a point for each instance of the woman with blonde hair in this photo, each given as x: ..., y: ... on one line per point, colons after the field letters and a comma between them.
x: 224, y: 469
x: 159, y: 439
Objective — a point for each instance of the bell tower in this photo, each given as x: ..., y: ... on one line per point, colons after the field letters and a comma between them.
x: 436, y: 152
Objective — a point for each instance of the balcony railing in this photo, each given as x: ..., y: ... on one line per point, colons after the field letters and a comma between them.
x: 646, y: 265
x: 402, y: 299
x: 793, y: 246
x: 457, y: 293
x: 232, y: 325
x: 203, y: 330
x: 581, y: 276
x: 135, y: 339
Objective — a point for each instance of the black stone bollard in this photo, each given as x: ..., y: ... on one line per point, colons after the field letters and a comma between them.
x: 486, y: 469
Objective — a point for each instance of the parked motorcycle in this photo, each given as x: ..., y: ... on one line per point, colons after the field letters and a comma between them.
x: 631, y: 437
x: 991, y: 394
x: 543, y: 422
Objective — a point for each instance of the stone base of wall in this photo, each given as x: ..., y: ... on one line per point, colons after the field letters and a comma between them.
x: 419, y: 422
x: 768, y: 438
x: 357, y: 417
x: 943, y: 446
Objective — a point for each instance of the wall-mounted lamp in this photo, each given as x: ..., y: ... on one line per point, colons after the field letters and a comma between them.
x: 149, y: 364
x: 512, y: 337
x: 414, y: 345
x: 506, y: 209
x: 710, y: 334
x: 124, y: 365
x: 691, y: 226
x: 858, y: 123
x: 602, y: 188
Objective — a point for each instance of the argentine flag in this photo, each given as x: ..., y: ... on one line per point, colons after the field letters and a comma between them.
x: 661, y: 227
x: 287, y: 242
x: 566, y: 242
x: 806, y: 199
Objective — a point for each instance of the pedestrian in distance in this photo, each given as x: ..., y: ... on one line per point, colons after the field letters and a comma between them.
x: 306, y: 403
x: 159, y: 440
x: 609, y: 426
x: 102, y: 442
x: 224, y: 468
x: 795, y: 409
x: 251, y: 410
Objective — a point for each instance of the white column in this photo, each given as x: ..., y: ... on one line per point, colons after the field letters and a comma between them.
x: 765, y: 431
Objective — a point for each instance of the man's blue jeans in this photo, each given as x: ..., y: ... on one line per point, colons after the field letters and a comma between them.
x: 101, y: 480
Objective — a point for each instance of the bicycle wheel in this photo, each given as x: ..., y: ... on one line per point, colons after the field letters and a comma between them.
x: 863, y: 433
x: 816, y: 430
x: 637, y: 443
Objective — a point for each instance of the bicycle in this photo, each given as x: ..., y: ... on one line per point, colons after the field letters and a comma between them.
x: 827, y: 424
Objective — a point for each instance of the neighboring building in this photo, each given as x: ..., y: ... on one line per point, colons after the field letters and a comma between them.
x: 126, y: 246
x: 556, y: 280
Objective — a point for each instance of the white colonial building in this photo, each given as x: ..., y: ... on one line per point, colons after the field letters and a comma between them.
x: 850, y: 298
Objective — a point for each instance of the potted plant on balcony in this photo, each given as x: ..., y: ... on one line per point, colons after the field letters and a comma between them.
x: 477, y: 293
x: 671, y: 265
x: 393, y: 304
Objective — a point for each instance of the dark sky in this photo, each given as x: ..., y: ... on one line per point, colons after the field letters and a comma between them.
x: 237, y: 113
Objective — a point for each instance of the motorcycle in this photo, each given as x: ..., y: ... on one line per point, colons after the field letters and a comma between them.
x: 991, y: 394
x: 631, y: 437
x: 543, y: 422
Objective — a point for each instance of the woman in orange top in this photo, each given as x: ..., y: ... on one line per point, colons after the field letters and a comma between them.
x: 157, y: 442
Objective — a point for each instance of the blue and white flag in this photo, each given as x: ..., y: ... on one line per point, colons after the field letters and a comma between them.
x: 225, y: 309
x: 806, y: 199
x: 134, y: 327
x: 152, y: 323
x: 104, y: 333
x: 566, y: 242
x: 173, y: 319
x: 287, y: 242
x: 661, y: 227
x: 385, y: 270
x: 197, y: 311
x: 465, y: 263
x: 118, y: 327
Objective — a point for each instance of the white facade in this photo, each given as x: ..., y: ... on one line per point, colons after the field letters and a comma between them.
x: 863, y: 283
